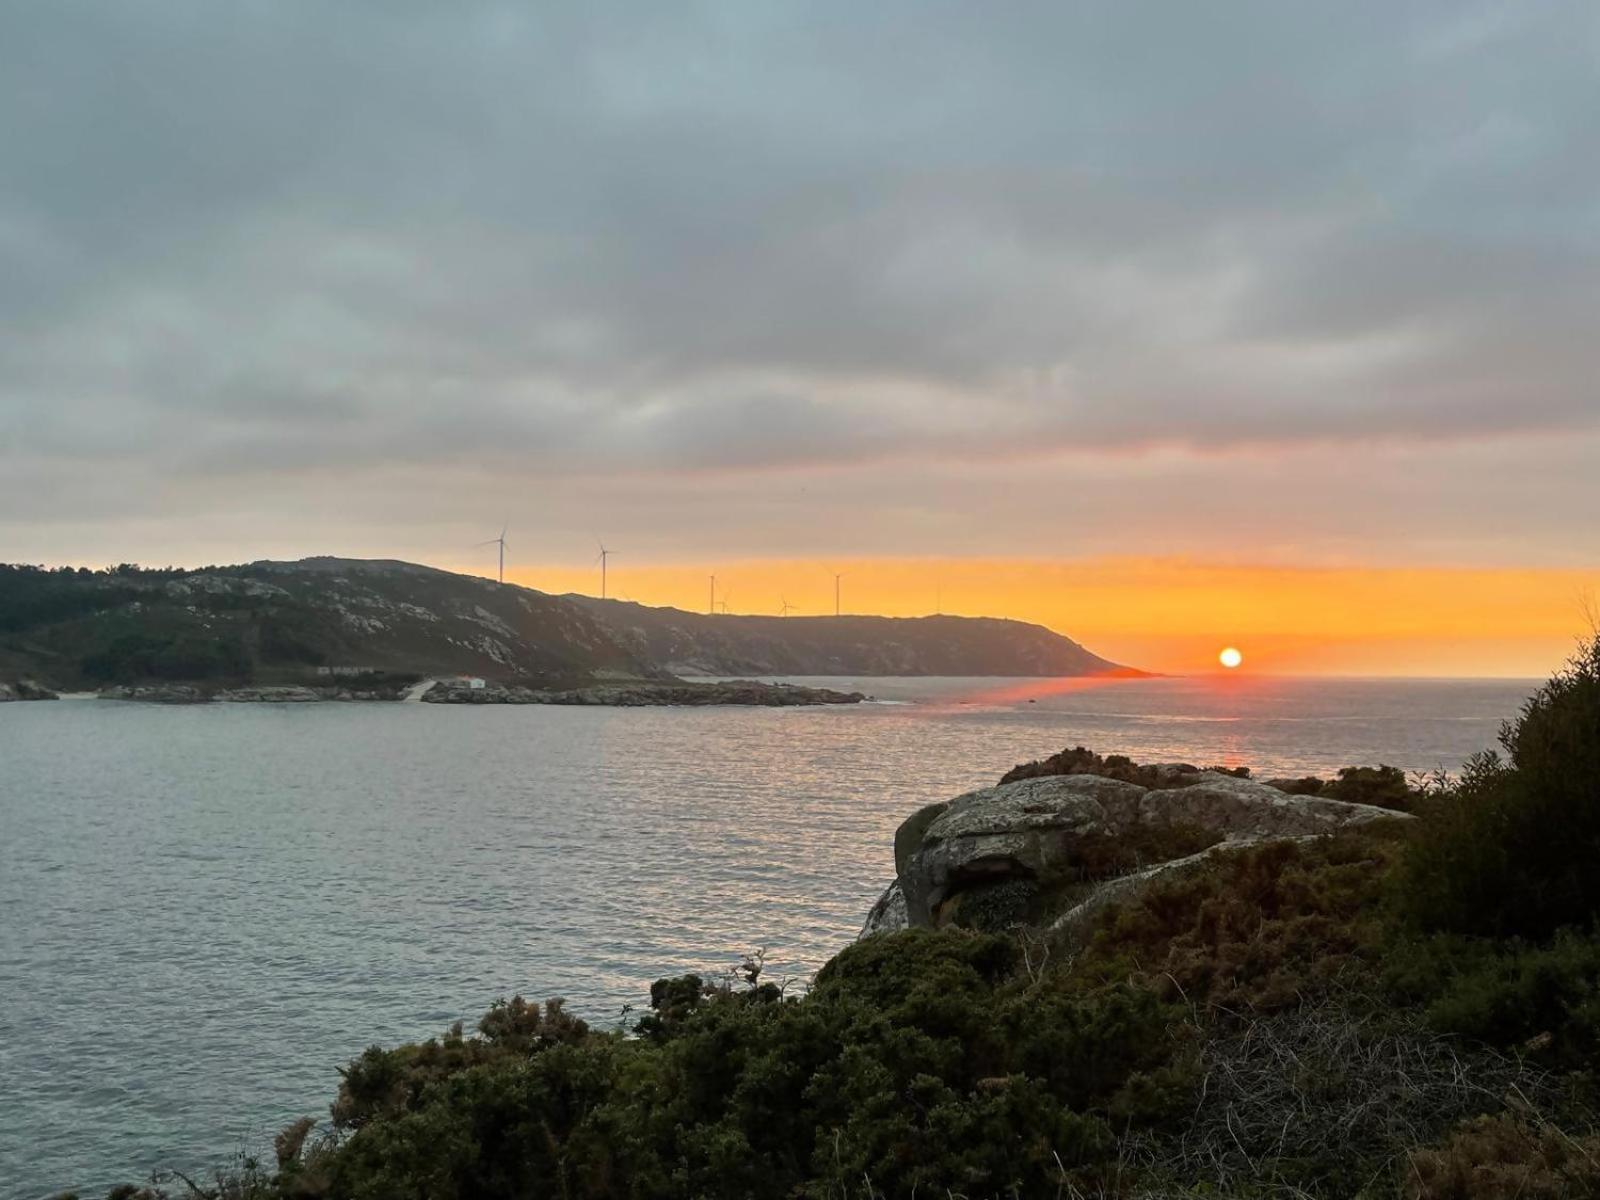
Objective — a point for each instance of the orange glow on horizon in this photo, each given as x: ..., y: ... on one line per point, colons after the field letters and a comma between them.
x: 1164, y: 615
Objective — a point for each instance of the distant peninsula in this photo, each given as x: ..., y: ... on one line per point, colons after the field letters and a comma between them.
x: 338, y: 628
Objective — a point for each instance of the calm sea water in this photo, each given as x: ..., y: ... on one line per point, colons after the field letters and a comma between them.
x: 205, y: 910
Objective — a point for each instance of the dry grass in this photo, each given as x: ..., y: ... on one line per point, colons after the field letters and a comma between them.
x: 1327, y: 1101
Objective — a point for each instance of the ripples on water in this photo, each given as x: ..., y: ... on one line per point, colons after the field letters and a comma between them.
x: 207, y: 910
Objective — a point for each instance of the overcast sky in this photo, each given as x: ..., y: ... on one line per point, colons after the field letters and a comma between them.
x: 1268, y: 281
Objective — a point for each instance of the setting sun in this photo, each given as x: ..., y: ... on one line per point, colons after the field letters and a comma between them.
x: 1230, y: 658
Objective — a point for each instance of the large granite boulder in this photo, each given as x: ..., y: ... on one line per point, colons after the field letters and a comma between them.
x: 1046, y: 847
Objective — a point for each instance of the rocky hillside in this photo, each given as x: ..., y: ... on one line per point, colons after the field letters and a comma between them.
x: 700, y: 644
x: 295, y: 620
x: 335, y: 618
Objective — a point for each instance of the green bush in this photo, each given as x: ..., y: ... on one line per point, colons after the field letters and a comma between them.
x: 1258, y: 930
x: 1381, y: 786
x: 139, y: 656
x: 1545, y: 999
x: 1511, y: 850
x: 919, y: 1064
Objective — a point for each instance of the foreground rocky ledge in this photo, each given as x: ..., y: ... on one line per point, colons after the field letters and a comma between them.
x: 1056, y: 849
x: 637, y: 695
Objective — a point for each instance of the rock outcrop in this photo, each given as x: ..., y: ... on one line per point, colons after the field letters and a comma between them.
x: 638, y: 695
x: 270, y: 695
x: 156, y: 693
x: 1054, y: 849
x: 25, y: 689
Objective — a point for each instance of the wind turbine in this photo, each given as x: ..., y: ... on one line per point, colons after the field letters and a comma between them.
x: 837, y: 576
x: 725, y: 596
x: 501, y: 542
x: 601, y: 559
x: 786, y: 605
x: 713, y: 607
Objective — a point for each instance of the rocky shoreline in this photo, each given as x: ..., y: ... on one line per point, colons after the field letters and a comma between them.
x: 747, y: 693
x: 184, y: 693
x: 24, y: 689
x: 743, y: 692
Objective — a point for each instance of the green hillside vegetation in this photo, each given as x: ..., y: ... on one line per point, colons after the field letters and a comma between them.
x: 281, y: 622
x: 1410, y: 1010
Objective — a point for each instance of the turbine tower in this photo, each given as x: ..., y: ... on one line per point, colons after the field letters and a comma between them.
x: 601, y: 559
x: 713, y: 607
x: 501, y: 542
x: 786, y: 605
x: 836, y: 578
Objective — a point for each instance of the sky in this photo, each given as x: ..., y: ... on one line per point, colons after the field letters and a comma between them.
x: 1167, y: 325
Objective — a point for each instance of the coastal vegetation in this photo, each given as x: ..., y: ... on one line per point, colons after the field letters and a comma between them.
x: 1409, y: 1007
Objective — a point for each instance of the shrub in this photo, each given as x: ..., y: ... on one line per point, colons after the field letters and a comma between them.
x: 1380, y: 786
x: 1259, y: 929
x: 1511, y: 849
x: 1546, y: 998
x: 138, y: 656
x: 918, y: 1061
x: 1503, y: 1158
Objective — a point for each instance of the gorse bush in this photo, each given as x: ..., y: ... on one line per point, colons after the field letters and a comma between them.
x: 1513, y: 849
x: 1543, y: 999
x: 1381, y: 786
x: 1257, y: 931
x: 920, y: 1062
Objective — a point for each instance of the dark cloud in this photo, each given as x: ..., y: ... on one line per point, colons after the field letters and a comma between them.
x: 240, y: 243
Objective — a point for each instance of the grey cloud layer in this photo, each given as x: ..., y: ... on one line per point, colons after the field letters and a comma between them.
x: 248, y: 238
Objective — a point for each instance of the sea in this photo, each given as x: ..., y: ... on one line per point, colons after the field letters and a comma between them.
x: 205, y: 911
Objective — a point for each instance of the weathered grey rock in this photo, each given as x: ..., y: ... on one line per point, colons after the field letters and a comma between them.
x: 908, y: 838
x: 157, y: 693
x: 888, y: 915
x: 1038, y: 829
x: 269, y: 695
x: 643, y: 694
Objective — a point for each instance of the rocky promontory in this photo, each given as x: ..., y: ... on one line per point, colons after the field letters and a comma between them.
x: 644, y: 694
x: 1052, y: 849
x: 184, y: 693
x: 24, y: 689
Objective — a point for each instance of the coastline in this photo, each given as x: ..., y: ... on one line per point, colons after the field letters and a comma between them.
x: 636, y: 694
